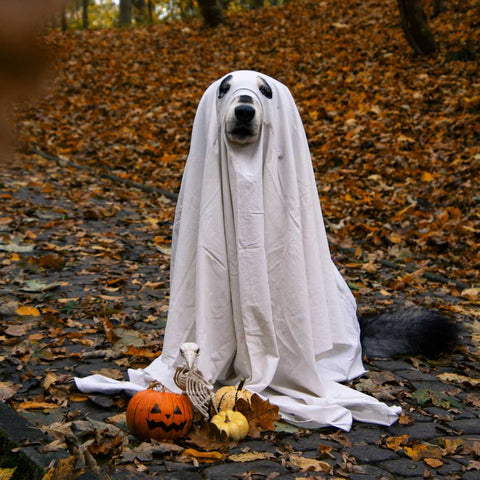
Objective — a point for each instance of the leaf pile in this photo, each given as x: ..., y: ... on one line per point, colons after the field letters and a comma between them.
x: 394, y: 138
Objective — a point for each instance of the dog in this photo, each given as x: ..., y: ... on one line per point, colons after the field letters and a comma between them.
x: 407, y: 331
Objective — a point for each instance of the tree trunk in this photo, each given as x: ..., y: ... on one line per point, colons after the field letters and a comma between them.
x: 254, y: 4
x: 139, y: 11
x: 415, y: 27
x: 150, y: 11
x: 85, y: 14
x: 63, y: 17
x: 212, y: 12
x: 125, y: 13
x: 439, y: 6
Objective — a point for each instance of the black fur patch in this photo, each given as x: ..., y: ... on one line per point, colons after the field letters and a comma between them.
x: 409, y: 331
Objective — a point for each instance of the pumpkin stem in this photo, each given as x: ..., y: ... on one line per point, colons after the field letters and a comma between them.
x: 227, y: 419
x: 239, y: 388
x: 241, y: 384
x: 155, y: 385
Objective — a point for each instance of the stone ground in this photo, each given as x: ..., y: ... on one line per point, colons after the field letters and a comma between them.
x: 84, y: 288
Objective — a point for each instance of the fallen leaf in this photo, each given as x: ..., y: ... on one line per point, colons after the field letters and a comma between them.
x: 17, y: 330
x: 260, y: 414
x: 110, y: 334
x: 433, y: 462
x: 396, y: 443
x: 7, y: 473
x: 423, y: 450
x: 207, y: 436
x: 201, y: 457
x: 28, y: 311
x: 34, y: 405
x: 38, y: 286
x: 310, y: 464
x: 471, y: 293
x: 65, y: 469
x: 50, y: 378
x: 145, y: 451
x: 452, y: 445
x: 424, y: 395
x: 473, y: 465
x: 15, y: 248
x: 250, y: 456
x: 8, y: 390
x: 455, y: 378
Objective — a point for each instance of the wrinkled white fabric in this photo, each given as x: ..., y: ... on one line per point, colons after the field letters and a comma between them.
x: 252, y: 280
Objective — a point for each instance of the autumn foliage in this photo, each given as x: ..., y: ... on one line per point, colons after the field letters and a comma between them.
x: 394, y: 138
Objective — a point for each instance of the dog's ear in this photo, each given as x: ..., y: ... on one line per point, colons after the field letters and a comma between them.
x: 264, y: 87
x: 224, y: 86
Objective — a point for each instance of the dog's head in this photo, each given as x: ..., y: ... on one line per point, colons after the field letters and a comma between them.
x: 244, y: 113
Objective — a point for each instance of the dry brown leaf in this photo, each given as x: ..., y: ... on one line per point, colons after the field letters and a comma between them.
x: 433, y: 462
x: 396, y: 443
x: 423, y: 450
x: 325, y: 451
x: 310, y: 464
x: 456, y: 378
x: 261, y: 414
x: 207, y: 436
x: 201, y: 457
x: 33, y: 405
x: 474, y: 465
x: 452, y: 445
x: 250, y: 456
x: 17, y: 330
x: 64, y: 470
x: 7, y: 473
x: 109, y: 331
x: 8, y: 390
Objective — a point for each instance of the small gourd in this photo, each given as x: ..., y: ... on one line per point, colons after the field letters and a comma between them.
x: 234, y: 424
x: 159, y: 415
x: 226, y: 397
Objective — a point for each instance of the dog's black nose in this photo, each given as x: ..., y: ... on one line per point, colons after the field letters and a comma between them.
x: 244, y: 113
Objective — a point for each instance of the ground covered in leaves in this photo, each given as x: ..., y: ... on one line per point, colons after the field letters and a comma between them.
x: 84, y: 258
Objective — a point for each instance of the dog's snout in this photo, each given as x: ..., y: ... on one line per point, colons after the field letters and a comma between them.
x: 244, y: 113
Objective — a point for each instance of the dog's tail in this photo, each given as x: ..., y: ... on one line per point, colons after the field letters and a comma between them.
x: 412, y: 331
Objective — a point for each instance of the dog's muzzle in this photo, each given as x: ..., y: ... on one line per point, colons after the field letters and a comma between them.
x: 243, y: 121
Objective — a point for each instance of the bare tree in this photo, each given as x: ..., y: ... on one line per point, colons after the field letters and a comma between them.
x: 139, y: 11
x: 415, y: 27
x: 85, y: 13
x: 212, y: 12
x: 439, y: 6
x: 257, y: 4
x: 125, y: 13
x: 150, y: 11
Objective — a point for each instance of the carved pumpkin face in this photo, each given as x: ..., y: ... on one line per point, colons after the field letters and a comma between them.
x: 159, y: 415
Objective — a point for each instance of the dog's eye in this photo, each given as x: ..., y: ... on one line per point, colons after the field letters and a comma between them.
x: 224, y: 86
x: 264, y: 88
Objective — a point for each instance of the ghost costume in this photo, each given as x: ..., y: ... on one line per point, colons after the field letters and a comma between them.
x: 252, y: 279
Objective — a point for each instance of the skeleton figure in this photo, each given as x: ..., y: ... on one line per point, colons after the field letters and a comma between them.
x: 190, y: 379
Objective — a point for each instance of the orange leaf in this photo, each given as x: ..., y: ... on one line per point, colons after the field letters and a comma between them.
x: 396, y: 443
x: 423, y: 450
x: 28, y: 311
x: 261, y: 414
x: 433, y: 462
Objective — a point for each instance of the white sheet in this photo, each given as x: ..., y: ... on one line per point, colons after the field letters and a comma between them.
x: 252, y: 280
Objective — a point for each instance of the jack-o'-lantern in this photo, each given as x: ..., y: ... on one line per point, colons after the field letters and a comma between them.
x: 159, y: 415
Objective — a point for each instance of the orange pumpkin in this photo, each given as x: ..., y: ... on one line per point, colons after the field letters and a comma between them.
x: 159, y: 415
